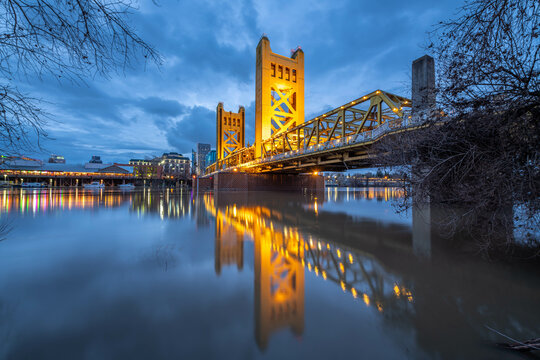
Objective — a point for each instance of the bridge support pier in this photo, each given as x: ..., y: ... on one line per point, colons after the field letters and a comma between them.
x: 239, y: 181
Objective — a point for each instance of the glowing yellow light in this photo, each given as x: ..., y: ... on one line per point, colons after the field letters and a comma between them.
x: 343, y: 287
x: 234, y: 210
x: 395, y: 109
x: 235, y: 169
x: 324, y: 275
x: 354, y: 293
x: 328, y: 246
x: 379, y: 307
x: 366, y: 299
x: 352, y: 102
x: 408, y: 294
x: 319, y: 243
x: 396, y: 290
x: 316, y: 271
x: 350, y: 258
x: 378, y: 92
x: 338, y: 252
x: 315, y: 173
x: 341, y: 267
x: 316, y: 210
x: 309, y: 266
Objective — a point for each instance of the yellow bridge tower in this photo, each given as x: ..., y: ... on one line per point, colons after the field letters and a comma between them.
x: 279, y: 93
x: 230, y: 131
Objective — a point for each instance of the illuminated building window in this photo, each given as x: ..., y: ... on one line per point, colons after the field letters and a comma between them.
x: 294, y: 75
x: 287, y: 74
x: 280, y: 72
x: 273, y: 70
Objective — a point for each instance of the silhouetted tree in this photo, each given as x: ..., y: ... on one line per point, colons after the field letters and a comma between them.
x: 66, y: 39
x: 480, y: 149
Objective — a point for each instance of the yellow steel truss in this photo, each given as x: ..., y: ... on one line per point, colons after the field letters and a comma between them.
x: 230, y: 131
x: 279, y: 100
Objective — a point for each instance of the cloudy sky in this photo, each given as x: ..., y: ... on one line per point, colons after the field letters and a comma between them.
x: 351, y: 48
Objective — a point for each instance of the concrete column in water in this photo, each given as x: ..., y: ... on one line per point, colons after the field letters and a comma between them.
x: 423, y: 87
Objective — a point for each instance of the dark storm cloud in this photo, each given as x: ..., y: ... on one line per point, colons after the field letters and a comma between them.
x: 198, y: 35
x: 351, y: 48
x: 161, y: 107
x: 198, y: 126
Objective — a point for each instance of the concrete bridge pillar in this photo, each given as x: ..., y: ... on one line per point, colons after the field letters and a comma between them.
x: 240, y: 181
x: 423, y: 87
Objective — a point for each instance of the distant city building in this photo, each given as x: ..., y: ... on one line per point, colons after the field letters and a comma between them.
x: 57, y: 159
x: 174, y: 165
x: 96, y: 160
x: 146, y: 169
x: 210, y: 158
x: 141, y: 162
x: 167, y: 165
x: 202, y: 151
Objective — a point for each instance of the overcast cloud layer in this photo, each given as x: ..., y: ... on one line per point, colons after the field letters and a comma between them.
x: 351, y: 48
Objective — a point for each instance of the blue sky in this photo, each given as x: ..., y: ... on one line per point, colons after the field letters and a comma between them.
x: 351, y: 48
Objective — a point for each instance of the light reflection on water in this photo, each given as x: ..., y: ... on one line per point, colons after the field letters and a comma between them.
x: 303, y: 262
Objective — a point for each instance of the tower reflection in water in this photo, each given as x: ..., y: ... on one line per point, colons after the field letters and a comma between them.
x: 282, y: 253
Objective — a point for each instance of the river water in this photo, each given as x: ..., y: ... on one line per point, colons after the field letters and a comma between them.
x: 171, y: 274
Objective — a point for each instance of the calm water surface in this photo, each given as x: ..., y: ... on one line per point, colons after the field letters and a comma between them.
x: 169, y: 274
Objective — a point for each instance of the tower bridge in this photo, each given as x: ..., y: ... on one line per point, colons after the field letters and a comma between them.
x: 337, y: 140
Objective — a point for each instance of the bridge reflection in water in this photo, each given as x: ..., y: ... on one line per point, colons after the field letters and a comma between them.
x: 283, y: 252
x: 383, y: 264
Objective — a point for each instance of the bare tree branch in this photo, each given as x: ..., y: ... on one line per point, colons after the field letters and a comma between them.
x: 67, y: 39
